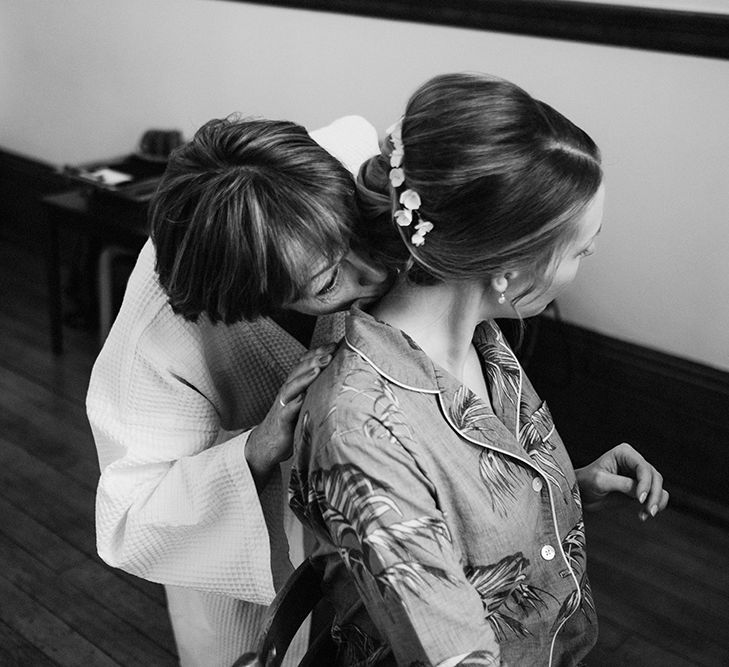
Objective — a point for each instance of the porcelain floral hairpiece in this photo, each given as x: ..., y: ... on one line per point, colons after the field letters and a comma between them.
x: 409, y: 199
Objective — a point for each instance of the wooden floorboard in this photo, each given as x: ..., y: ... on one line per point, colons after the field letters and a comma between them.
x: 653, y: 598
x: 17, y: 651
x: 47, y: 631
x: 32, y: 414
x: 129, y: 603
x: 674, y: 560
x: 87, y: 619
x: 25, y: 352
x: 52, y: 498
x: 661, y: 587
x: 59, y: 603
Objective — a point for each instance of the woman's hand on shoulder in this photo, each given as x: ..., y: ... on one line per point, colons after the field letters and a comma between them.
x: 622, y: 469
x: 272, y: 440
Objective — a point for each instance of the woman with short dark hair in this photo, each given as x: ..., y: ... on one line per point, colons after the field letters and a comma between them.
x: 258, y: 171
x: 194, y: 397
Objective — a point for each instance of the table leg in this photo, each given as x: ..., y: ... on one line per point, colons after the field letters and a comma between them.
x: 54, y: 286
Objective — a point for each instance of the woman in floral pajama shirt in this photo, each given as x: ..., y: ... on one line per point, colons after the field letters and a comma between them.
x: 425, y: 460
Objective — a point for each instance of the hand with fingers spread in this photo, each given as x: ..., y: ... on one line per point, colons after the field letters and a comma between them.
x: 623, y: 470
x: 271, y: 441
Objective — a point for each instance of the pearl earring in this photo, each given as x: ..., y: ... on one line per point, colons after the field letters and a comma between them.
x: 502, y: 298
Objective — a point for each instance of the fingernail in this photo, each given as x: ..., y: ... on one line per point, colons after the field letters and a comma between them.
x: 654, y: 510
x: 643, y: 496
x: 324, y: 358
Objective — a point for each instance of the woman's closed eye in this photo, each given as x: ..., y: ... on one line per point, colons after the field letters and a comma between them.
x: 590, y: 250
x: 330, y: 284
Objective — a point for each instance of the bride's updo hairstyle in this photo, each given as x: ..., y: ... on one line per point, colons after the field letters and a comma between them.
x: 500, y: 176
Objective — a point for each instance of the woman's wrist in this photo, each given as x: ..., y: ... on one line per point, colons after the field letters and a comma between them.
x: 258, y: 458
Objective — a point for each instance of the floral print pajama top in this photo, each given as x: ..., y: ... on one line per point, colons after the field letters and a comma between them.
x: 458, y: 523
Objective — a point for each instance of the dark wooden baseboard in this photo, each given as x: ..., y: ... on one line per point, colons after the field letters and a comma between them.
x: 603, y: 391
x: 674, y: 31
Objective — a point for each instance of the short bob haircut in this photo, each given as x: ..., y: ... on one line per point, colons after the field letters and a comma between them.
x: 243, y: 215
x: 502, y: 176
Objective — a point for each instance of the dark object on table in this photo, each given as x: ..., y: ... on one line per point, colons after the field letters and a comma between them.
x: 158, y: 144
x: 132, y: 177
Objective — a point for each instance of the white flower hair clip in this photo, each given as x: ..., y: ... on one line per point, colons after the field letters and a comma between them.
x: 409, y: 199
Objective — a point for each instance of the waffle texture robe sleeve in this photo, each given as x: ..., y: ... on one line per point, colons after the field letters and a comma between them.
x: 171, y: 404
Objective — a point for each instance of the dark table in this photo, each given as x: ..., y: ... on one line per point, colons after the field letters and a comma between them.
x: 108, y: 219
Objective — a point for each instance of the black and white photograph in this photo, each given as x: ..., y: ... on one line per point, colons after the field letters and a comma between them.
x: 364, y: 333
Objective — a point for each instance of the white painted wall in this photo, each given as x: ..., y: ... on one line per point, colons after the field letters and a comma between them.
x: 81, y: 80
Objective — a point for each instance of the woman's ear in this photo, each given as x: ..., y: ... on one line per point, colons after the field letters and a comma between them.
x: 500, y: 283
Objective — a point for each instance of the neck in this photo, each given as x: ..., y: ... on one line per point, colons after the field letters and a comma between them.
x: 440, y: 318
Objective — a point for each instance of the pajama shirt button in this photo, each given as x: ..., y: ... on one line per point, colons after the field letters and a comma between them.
x: 548, y: 552
x: 537, y: 484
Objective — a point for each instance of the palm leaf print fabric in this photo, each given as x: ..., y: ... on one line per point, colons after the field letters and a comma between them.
x: 458, y: 519
x: 467, y: 410
x: 573, y: 546
x: 501, y: 477
x: 504, y: 589
x: 502, y: 369
x: 351, y: 504
x: 536, y: 428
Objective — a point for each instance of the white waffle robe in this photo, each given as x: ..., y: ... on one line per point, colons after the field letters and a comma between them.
x: 171, y: 404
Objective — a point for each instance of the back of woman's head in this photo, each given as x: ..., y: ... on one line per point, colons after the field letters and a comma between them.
x: 500, y: 176
x: 242, y: 212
